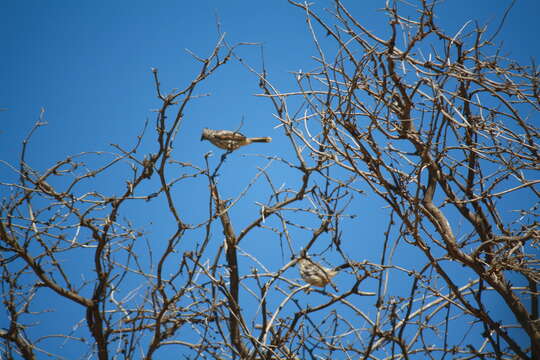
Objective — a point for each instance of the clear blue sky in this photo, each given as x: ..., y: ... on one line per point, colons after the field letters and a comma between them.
x: 88, y: 64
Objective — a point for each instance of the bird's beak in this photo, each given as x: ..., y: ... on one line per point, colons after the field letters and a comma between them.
x: 202, y: 137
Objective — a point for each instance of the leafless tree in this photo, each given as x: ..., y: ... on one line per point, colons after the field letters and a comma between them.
x: 437, y: 126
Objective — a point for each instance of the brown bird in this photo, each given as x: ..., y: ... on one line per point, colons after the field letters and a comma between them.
x: 230, y: 140
x: 316, y: 274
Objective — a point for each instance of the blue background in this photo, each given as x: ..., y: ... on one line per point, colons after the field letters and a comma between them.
x: 88, y: 64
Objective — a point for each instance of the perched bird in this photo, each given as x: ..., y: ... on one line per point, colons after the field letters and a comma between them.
x: 230, y: 140
x: 316, y: 274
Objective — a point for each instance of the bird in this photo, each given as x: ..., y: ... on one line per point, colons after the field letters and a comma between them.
x: 230, y: 140
x: 316, y: 274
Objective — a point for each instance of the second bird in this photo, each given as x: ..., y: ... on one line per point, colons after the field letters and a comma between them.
x: 316, y: 274
x: 230, y: 140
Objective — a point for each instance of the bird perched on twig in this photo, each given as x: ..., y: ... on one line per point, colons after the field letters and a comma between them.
x: 316, y: 274
x: 230, y: 140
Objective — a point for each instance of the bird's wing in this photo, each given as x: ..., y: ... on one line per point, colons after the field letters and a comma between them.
x: 230, y: 135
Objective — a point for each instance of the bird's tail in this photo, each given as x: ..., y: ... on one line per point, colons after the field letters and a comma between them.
x: 260, y: 139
